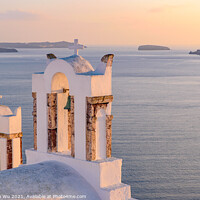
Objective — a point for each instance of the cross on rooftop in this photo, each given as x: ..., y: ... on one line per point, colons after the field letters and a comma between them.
x: 76, y: 46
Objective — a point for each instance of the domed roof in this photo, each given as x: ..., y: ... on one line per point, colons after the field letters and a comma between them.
x: 80, y: 64
x: 46, y: 178
x: 5, y: 110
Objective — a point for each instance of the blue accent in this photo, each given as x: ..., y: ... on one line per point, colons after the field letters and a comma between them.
x: 91, y: 73
x: 39, y: 73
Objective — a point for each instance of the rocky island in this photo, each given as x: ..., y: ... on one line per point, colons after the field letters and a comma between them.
x: 197, y: 52
x: 61, y: 44
x: 152, y: 47
x: 5, y: 50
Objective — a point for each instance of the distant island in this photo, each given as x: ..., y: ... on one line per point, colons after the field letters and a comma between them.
x: 61, y: 44
x: 5, y: 50
x: 197, y: 52
x: 152, y: 47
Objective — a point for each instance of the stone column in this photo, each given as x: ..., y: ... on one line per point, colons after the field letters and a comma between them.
x: 71, y: 128
x: 9, y: 154
x: 10, y: 150
x: 94, y: 104
x: 21, y: 160
x: 90, y: 133
x: 52, y: 122
x: 109, y: 135
x: 34, y: 113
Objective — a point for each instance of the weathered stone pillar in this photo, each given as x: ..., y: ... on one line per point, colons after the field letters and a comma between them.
x: 52, y: 122
x: 34, y: 113
x: 71, y: 128
x: 10, y: 150
x: 109, y: 135
x: 21, y: 160
x: 9, y: 154
x: 90, y: 133
x: 94, y: 104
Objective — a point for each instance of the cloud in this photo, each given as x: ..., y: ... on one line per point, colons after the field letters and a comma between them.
x: 18, y: 15
x: 165, y: 8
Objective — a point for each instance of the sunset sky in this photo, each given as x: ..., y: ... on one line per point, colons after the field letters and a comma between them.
x: 102, y: 22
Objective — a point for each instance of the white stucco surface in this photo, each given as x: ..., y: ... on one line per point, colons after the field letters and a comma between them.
x: 4, y: 124
x: 5, y: 110
x: 42, y: 138
x: 16, y: 153
x: 15, y: 121
x: 117, y: 192
x: 62, y: 124
x: 11, y: 123
x: 3, y: 154
x: 46, y: 178
x: 101, y: 135
x: 38, y: 84
x: 110, y: 170
x: 100, y: 174
x: 101, y: 85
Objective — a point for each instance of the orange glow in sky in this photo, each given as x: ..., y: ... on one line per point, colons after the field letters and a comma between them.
x: 103, y: 22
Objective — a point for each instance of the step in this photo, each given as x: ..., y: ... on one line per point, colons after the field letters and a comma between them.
x: 119, y: 191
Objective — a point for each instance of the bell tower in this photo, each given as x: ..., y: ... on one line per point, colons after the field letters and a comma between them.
x: 10, y: 138
x: 73, y: 121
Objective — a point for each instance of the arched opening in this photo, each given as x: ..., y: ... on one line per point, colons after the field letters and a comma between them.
x: 58, y: 136
x: 59, y: 82
x: 101, y: 135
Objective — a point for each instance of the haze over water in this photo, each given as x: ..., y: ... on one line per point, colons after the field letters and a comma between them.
x: 156, y: 108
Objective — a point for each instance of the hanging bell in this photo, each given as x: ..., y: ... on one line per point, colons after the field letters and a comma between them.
x: 68, y: 105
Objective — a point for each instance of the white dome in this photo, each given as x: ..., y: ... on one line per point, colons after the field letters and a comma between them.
x: 5, y: 110
x: 46, y: 178
x: 80, y: 64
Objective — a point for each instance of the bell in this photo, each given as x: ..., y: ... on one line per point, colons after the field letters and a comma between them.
x: 68, y: 105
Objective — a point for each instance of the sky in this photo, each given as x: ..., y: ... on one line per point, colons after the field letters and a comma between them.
x: 102, y: 22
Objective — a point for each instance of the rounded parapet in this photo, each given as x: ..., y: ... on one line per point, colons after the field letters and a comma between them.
x: 5, y: 110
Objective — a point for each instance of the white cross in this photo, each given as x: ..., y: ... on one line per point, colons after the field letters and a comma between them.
x: 76, y: 46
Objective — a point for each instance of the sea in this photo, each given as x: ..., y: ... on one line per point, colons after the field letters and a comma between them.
x: 156, y: 108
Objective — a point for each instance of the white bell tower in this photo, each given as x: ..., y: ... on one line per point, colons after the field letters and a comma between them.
x: 73, y: 121
x: 10, y: 138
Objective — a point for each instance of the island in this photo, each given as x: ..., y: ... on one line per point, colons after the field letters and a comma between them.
x: 61, y: 44
x: 197, y: 52
x: 152, y: 47
x: 5, y: 50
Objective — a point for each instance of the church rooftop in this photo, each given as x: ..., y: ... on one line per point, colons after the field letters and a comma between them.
x: 79, y: 64
x: 46, y: 178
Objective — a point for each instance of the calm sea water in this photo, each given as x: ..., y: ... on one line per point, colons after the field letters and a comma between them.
x: 156, y: 108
